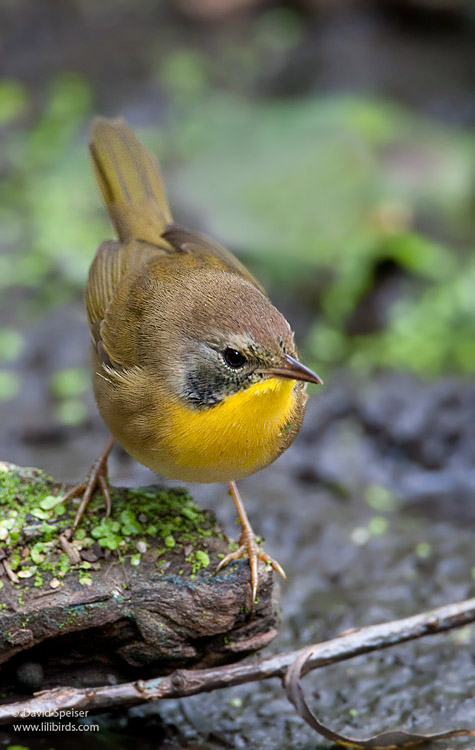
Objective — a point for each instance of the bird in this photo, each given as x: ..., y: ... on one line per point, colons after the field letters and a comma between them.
x: 195, y: 371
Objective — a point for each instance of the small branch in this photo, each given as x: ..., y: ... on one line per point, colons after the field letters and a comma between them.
x: 71, y: 551
x: 189, y: 682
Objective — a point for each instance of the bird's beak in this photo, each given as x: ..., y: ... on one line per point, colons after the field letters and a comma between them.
x: 294, y: 370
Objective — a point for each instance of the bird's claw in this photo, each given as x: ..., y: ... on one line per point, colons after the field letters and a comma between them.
x: 248, y: 545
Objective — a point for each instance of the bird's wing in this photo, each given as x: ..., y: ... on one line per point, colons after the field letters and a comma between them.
x: 113, y: 265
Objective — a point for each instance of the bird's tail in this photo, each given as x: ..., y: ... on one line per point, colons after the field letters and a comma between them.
x: 129, y: 179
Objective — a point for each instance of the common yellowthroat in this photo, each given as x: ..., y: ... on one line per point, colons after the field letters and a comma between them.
x: 195, y: 371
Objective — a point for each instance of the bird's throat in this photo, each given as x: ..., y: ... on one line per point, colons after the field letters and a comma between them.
x: 238, y: 436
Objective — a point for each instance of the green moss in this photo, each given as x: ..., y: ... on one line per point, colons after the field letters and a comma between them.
x: 49, y: 502
x: 38, y: 580
x: 34, y: 517
x: 199, y: 560
x: 130, y: 525
x: 106, y: 534
x: 14, y: 561
x: 36, y: 552
x: 202, y: 557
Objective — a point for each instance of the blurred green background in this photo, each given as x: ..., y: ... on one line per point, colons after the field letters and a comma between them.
x: 330, y: 145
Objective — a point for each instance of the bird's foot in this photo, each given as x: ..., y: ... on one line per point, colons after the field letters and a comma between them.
x: 96, y: 479
x: 249, y: 546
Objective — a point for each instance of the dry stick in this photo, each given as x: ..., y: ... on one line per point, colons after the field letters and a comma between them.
x: 185, y: 682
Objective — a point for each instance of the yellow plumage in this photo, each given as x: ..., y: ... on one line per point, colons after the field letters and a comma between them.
x: 218, y: 444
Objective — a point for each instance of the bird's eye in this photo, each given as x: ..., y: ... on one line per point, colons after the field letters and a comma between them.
x: 233, y: 358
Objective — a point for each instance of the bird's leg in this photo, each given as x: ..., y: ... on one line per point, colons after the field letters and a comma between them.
x: 248, y: 544
x: 97, y: 477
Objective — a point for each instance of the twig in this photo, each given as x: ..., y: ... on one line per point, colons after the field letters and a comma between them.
x: 71, y: 551
x: 185, y: 682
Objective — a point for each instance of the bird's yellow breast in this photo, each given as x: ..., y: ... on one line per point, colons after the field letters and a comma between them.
x: 241, y: 434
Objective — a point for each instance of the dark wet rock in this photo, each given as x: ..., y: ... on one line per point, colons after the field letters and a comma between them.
x: 417, y: 438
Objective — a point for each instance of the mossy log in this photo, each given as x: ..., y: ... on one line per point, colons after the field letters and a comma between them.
x: 127, y: 597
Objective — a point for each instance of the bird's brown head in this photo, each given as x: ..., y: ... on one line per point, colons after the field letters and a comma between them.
x: 237, y: 338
